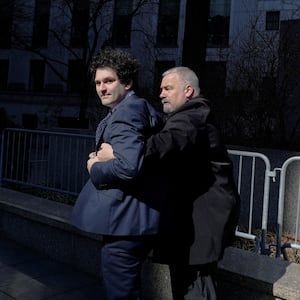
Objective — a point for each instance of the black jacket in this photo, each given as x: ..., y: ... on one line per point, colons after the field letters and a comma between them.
x: 201, y: 203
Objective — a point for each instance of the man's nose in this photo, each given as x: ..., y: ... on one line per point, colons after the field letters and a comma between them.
x: 102, y: 86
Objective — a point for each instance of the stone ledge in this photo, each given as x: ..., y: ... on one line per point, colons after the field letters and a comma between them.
x: 243, y: 275
x: 265, y: 275
x: 44, y: 225
x: 40, y: 210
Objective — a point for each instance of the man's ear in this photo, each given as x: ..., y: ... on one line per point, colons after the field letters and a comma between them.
x: 189, y: 91
x: 128, y: 85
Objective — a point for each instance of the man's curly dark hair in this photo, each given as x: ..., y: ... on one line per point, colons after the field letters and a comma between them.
x: 125, y: 65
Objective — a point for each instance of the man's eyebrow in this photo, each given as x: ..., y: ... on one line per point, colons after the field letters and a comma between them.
x: 106, y: 79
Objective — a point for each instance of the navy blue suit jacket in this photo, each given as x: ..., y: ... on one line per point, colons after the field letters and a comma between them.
x: 117, y: 198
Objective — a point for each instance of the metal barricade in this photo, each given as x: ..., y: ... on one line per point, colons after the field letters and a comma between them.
x: 47, y: 160
x: 288, y: 206
x: 252, y: 175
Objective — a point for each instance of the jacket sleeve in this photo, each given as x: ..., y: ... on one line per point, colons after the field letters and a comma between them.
x: 181, y: 132
x: 126, y: 132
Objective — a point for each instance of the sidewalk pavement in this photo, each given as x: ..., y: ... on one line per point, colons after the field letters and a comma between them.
x: 29, y: 275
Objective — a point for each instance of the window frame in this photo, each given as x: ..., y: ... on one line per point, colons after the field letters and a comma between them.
x: 272, y: 20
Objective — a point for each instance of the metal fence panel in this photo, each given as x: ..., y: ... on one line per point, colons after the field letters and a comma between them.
x: 47, y: 160
x: 289, y: 206
x: 252, y: 175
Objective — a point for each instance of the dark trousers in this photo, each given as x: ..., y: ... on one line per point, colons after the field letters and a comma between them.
x: 193, y: 282
x: 122, y: 260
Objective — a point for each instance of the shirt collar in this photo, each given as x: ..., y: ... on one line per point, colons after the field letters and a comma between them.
x: 130, y: 93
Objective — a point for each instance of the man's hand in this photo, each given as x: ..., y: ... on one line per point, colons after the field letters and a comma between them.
x: 105, y: 153
x: 92, y: 154
x: 91, y: 161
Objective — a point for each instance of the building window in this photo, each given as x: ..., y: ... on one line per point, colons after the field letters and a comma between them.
x: 37, y: 75
x: 6, y: 18
x: 80, y: 23
x: 3, y: 74
x: 167, y: 27
x: 122, y: 23
x: 272, y: 20
x: 41, y: 24
x: 76, y: 75
x: 218, y: 23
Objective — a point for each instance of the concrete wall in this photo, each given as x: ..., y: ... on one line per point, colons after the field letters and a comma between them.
x: 44, y: 225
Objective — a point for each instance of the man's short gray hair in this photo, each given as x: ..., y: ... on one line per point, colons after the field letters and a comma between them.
x: 187, y: 75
